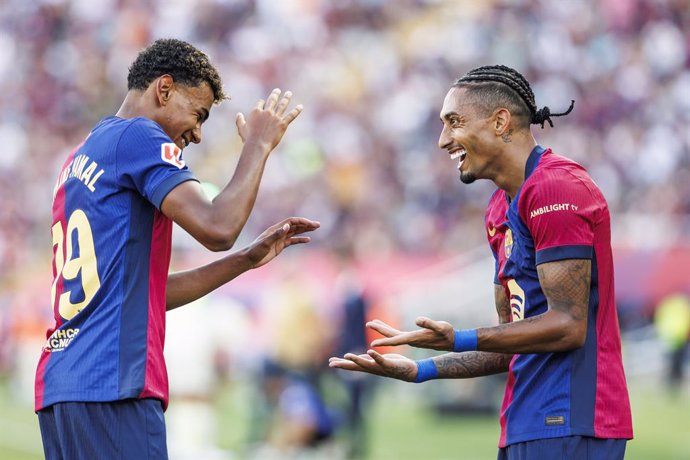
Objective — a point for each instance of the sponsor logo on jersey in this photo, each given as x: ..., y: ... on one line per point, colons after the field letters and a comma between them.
x: 171, y: 153
x: 551, y: 208
x: 60, y: 339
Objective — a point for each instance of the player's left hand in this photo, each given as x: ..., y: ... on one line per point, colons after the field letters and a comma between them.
x: 389, y: 365
x: 277, y: 237
x: 434, y: 335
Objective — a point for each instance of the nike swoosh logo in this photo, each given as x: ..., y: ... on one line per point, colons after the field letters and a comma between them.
x: 492, y: 231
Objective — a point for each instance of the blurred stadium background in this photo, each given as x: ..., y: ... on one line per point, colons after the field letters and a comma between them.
x: 400, y: 236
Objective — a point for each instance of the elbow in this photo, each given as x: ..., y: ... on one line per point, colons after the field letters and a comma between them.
x: 574, y: 335
x: 218, y: 244
x: 217, y: 241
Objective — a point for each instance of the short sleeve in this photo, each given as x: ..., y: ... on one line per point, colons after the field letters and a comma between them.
x: 560, y: 212
x: 148, y: 161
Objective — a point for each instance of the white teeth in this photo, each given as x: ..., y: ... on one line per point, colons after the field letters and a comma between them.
x: 457, y: 154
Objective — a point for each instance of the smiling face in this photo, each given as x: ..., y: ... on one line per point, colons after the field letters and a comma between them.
x: 182, y: 109
x: 467, y: 135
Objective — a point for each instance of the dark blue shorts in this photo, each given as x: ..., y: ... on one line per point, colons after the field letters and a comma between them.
x: 128, y: 429
x: 568, y: 448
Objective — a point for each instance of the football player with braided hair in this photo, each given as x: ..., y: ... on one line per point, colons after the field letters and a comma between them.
x: 548, y: 227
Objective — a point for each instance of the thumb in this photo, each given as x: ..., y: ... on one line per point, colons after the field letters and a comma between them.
x: 239, y: 120
x: 427, y: 323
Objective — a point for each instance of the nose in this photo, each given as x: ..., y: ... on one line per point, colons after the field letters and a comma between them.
x: 196, y: 135
x: 444, y: 140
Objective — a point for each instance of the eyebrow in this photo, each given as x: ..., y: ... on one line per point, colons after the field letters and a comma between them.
x: 447, y: 115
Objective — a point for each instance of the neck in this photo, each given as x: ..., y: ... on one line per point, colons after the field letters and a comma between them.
x: 132, y: 106
x: 511, y: 175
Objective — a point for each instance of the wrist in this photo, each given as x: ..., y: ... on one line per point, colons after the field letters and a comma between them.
x: 465, y: 340
x: 245, y: 261
x: 257, y: 147
x: 426, y: 370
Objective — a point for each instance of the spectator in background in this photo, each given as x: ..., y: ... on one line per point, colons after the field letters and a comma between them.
x: 672, y: 324
x: 353, y: 338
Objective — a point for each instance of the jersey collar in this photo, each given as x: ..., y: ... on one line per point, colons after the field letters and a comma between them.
x: 533, y: 160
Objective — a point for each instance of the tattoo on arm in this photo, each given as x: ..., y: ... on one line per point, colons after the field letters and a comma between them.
x: 471, y: 364
x: 566, y: 286
x: 502, y: 304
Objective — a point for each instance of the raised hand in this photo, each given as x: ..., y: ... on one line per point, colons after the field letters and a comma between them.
x: 434, y: 335
x: 277, y: 237
x: 389, y: 365
x: 268, y: 121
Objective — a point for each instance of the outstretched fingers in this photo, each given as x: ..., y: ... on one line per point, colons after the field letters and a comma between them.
x: 302, y: 225
x: 292, y: 114
x: 272, y: 100
x: 353, y: 362
x: 283, y: 103
x: 427, y: 323
x: 383, y: 328
x: 404, y: 338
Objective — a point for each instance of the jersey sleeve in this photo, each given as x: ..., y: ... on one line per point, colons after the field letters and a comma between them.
x: 561, y: 212
x: 491, y: 236
x: 148, y: 161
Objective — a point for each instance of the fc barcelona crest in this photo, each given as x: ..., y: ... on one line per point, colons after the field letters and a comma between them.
x: 508, y: 243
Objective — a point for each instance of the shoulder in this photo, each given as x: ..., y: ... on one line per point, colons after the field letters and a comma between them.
x: 559, y: 188
x: 497, y: 204
x: 142, y: 126
x: 560, y: 177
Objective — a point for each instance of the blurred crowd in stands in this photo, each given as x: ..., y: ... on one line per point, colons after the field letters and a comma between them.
x: 372, y: 74
x: 363, y: 157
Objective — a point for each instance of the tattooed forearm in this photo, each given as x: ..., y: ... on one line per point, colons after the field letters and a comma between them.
x: 471, y: 364
x: 502, y: 304
x: 566, y: 286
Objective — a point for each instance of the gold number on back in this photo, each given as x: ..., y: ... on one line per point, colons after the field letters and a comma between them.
x: 69, y: 267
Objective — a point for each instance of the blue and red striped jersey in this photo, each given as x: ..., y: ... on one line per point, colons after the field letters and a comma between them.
x: 559, y: 213
x: 111, y: 254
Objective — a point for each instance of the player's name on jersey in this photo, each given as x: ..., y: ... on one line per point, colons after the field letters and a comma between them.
x: 552, y: 207
x: 83, y: 169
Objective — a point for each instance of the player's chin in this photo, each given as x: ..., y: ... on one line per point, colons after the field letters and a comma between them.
x: 467, y: 177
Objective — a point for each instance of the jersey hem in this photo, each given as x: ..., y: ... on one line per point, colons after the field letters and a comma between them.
x: 562, y: 433
x: 85, y: 397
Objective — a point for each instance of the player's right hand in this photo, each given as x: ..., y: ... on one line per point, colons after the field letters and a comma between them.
x: 389, y: 365
x: 434, y: 335
x: 267, y: 122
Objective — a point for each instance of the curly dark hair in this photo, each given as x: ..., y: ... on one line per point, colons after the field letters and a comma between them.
x: 185, y: 63
x: 501, y: 86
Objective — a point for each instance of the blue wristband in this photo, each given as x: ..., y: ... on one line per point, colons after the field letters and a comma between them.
x: 465, y: 340
x: 426, y: 370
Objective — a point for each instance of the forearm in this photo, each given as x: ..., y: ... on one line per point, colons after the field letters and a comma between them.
x: 552, y: 331
x: 233, y: 205
x: 186, y: 286
x: 471, y: 364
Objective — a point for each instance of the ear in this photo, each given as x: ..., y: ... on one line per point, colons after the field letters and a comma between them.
x: 501, y: 120
x: 164, y: 89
